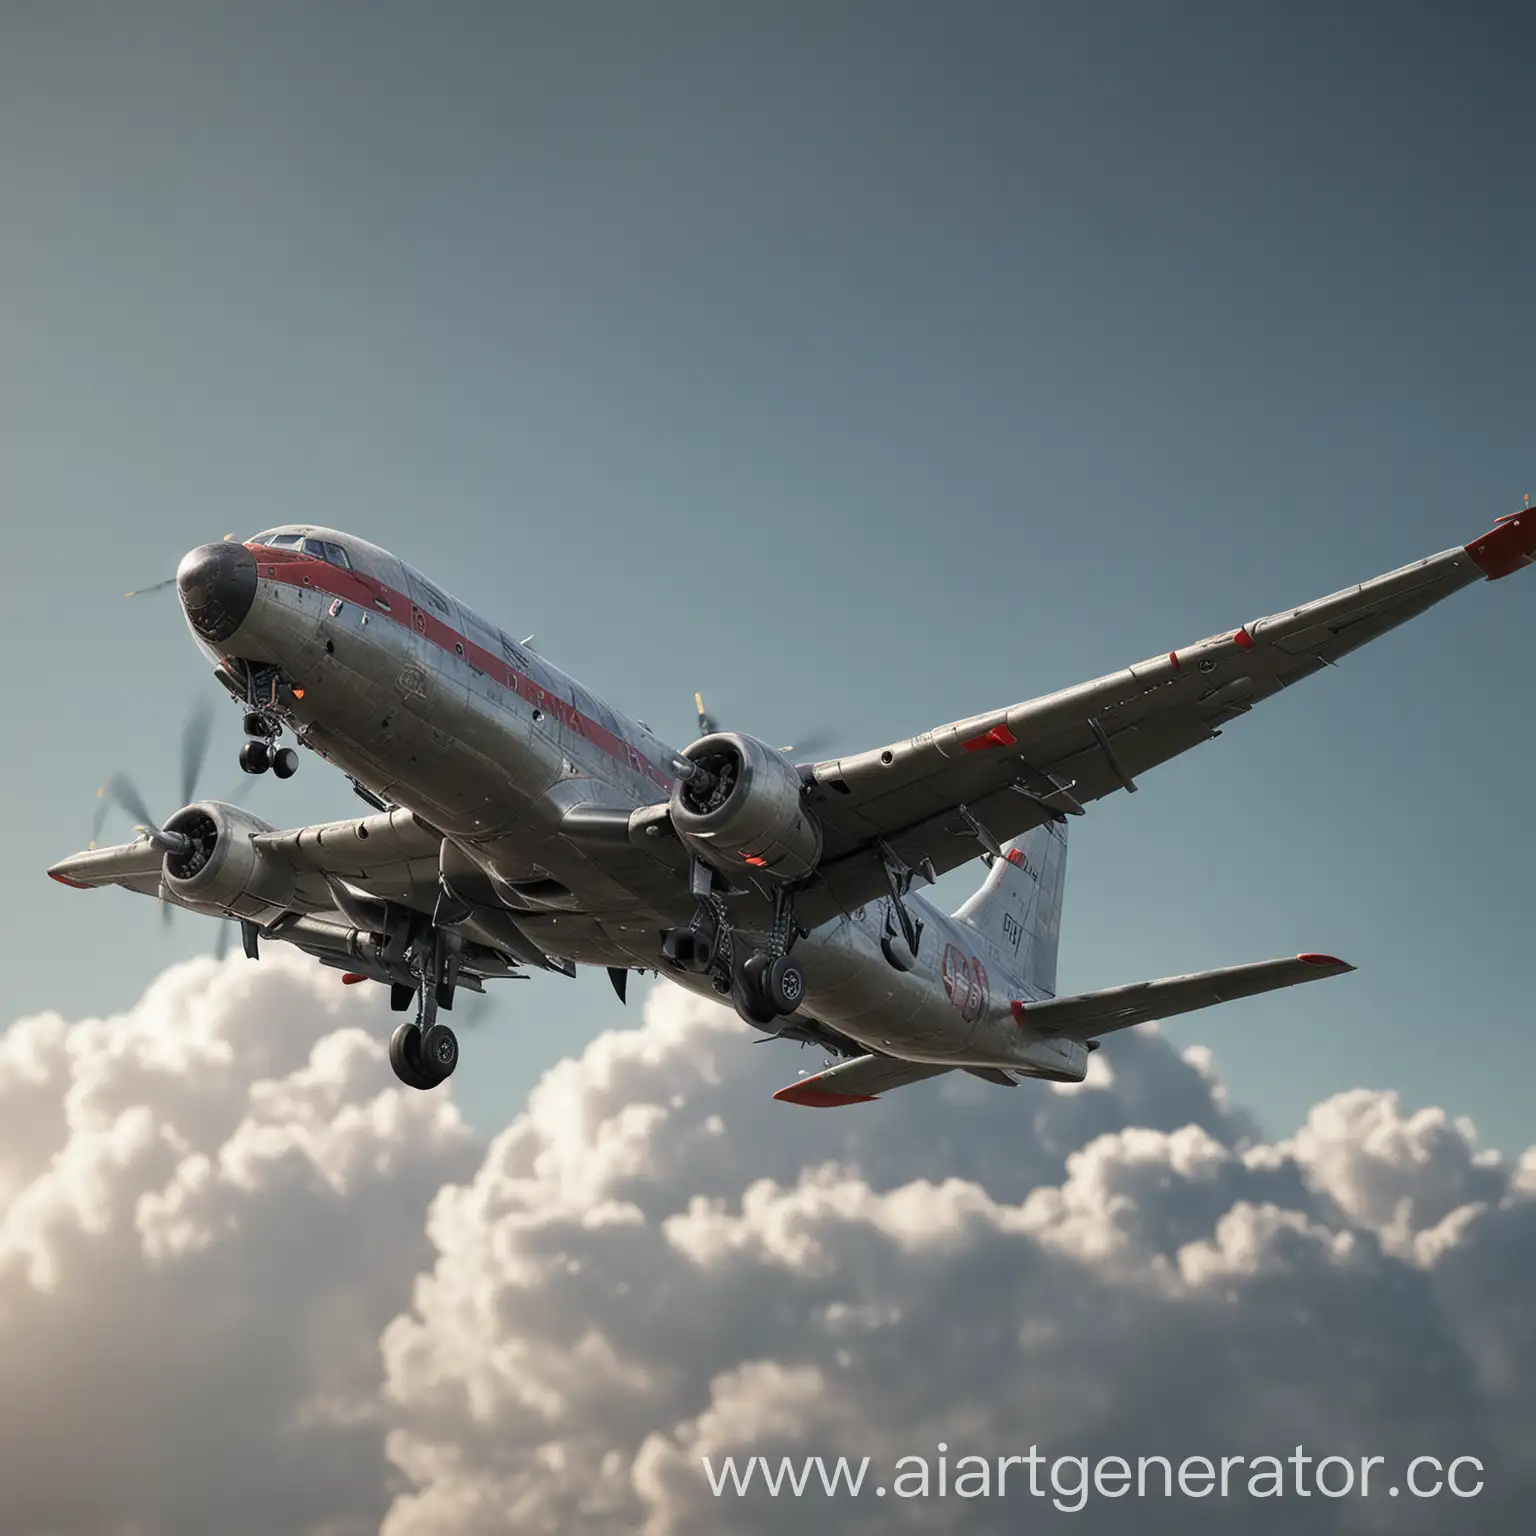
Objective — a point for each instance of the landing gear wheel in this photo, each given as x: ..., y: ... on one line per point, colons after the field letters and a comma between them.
x: 784, y: 984
x: 439, y: 1052
x: 747, y: 995
x: 255, y: 757
x: 285, y: 762
x: 406, y: 1059
x: 401, y: 995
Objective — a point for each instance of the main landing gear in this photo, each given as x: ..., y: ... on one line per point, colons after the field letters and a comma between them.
x: 424, y: 1052
x: 763, y: 985
x: 262, y: 751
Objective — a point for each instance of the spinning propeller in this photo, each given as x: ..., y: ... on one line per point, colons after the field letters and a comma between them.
x: 120, y: 791
x: 170, y: 581
x: 808, y: 749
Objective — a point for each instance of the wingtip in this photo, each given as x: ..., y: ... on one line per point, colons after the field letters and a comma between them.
x: 1330, y: 962
x: 814, y: 1097
x: 57, y: 873
x: 1508, y: 546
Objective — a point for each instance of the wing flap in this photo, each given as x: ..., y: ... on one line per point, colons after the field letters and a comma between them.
x: 1091, y: 1014
x: 856, y: 1081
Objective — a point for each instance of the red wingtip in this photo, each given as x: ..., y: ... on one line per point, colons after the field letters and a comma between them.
x: 78, y: 885
x: 1506, y: 547
x: 821, y: 1098
x: 1310, y: 959
x: 351, y: 978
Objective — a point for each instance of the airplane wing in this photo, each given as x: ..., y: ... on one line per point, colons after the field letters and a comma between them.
x: 1092, y: 1014
x: 332, y: 872
x: 856, y: 1081
x: 948, y: 793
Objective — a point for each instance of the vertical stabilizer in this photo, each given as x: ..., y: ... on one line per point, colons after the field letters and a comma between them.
x: 1018, y: 909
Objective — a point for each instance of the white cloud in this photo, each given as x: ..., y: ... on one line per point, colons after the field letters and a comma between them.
x: 213, y: 1205
x: 248, y: 1284
x: 1122, y: 1268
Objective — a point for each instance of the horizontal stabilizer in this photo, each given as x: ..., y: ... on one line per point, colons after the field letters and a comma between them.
x: 856, y: 1081
x: 1098, y: 1013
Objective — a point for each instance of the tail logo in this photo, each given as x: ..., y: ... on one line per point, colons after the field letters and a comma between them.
x: 965, y: 983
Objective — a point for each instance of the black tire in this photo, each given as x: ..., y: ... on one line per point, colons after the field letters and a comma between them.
x: 285, y: 762
x: 255, y: 757
x: 439, y: 1053
x: 401, y: 995
x: 405, y: 1058
x: 747, y: 995
x: 784, y: 984
x: 255, y: 724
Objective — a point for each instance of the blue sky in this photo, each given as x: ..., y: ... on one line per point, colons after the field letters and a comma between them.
x: 862, y: 366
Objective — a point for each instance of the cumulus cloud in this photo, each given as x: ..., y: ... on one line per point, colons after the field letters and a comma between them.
x: 212, y: 1206
x: 657, y: 1264
x: 246, y: 1283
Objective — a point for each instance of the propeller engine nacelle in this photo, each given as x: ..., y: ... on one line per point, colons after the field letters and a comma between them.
x: 219, y: 866
x: 743, y: 805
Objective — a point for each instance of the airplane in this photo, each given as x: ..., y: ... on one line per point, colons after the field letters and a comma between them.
x: 518, y: 823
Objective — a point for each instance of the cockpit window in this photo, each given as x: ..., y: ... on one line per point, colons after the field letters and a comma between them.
x: 283, y: 541
x: 262, y: 538
x: 333, y: 554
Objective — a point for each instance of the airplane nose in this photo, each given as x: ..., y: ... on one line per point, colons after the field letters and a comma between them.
x: 217, y: 585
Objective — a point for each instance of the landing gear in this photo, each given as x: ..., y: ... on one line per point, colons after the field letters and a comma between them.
x: 763, y: 985
x: 784, y: 984
x: 748, y: 997
x: 440, y: 1051
x: 263, y: 723
x: 258, y: 755
x: 424, y: 1052
x: 423, y: 1058
x: 423, y: 1061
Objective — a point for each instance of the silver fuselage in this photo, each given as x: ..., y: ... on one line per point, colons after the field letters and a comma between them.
x: 428, y: 705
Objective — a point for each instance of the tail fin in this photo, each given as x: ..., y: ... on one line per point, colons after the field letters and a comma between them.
x: 1018, y: 909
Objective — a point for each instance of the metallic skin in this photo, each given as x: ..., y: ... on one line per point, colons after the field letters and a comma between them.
x: 559, y: 831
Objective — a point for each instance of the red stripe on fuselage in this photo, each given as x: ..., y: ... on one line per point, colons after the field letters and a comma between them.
x: 293, y: 568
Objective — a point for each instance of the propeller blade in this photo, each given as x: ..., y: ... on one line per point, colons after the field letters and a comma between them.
x: 221, y: 940
x: 195, y: 736
x: 120, y: 791
x: 166, y: 913
x: 810, y: 748
x: 159, y: 586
